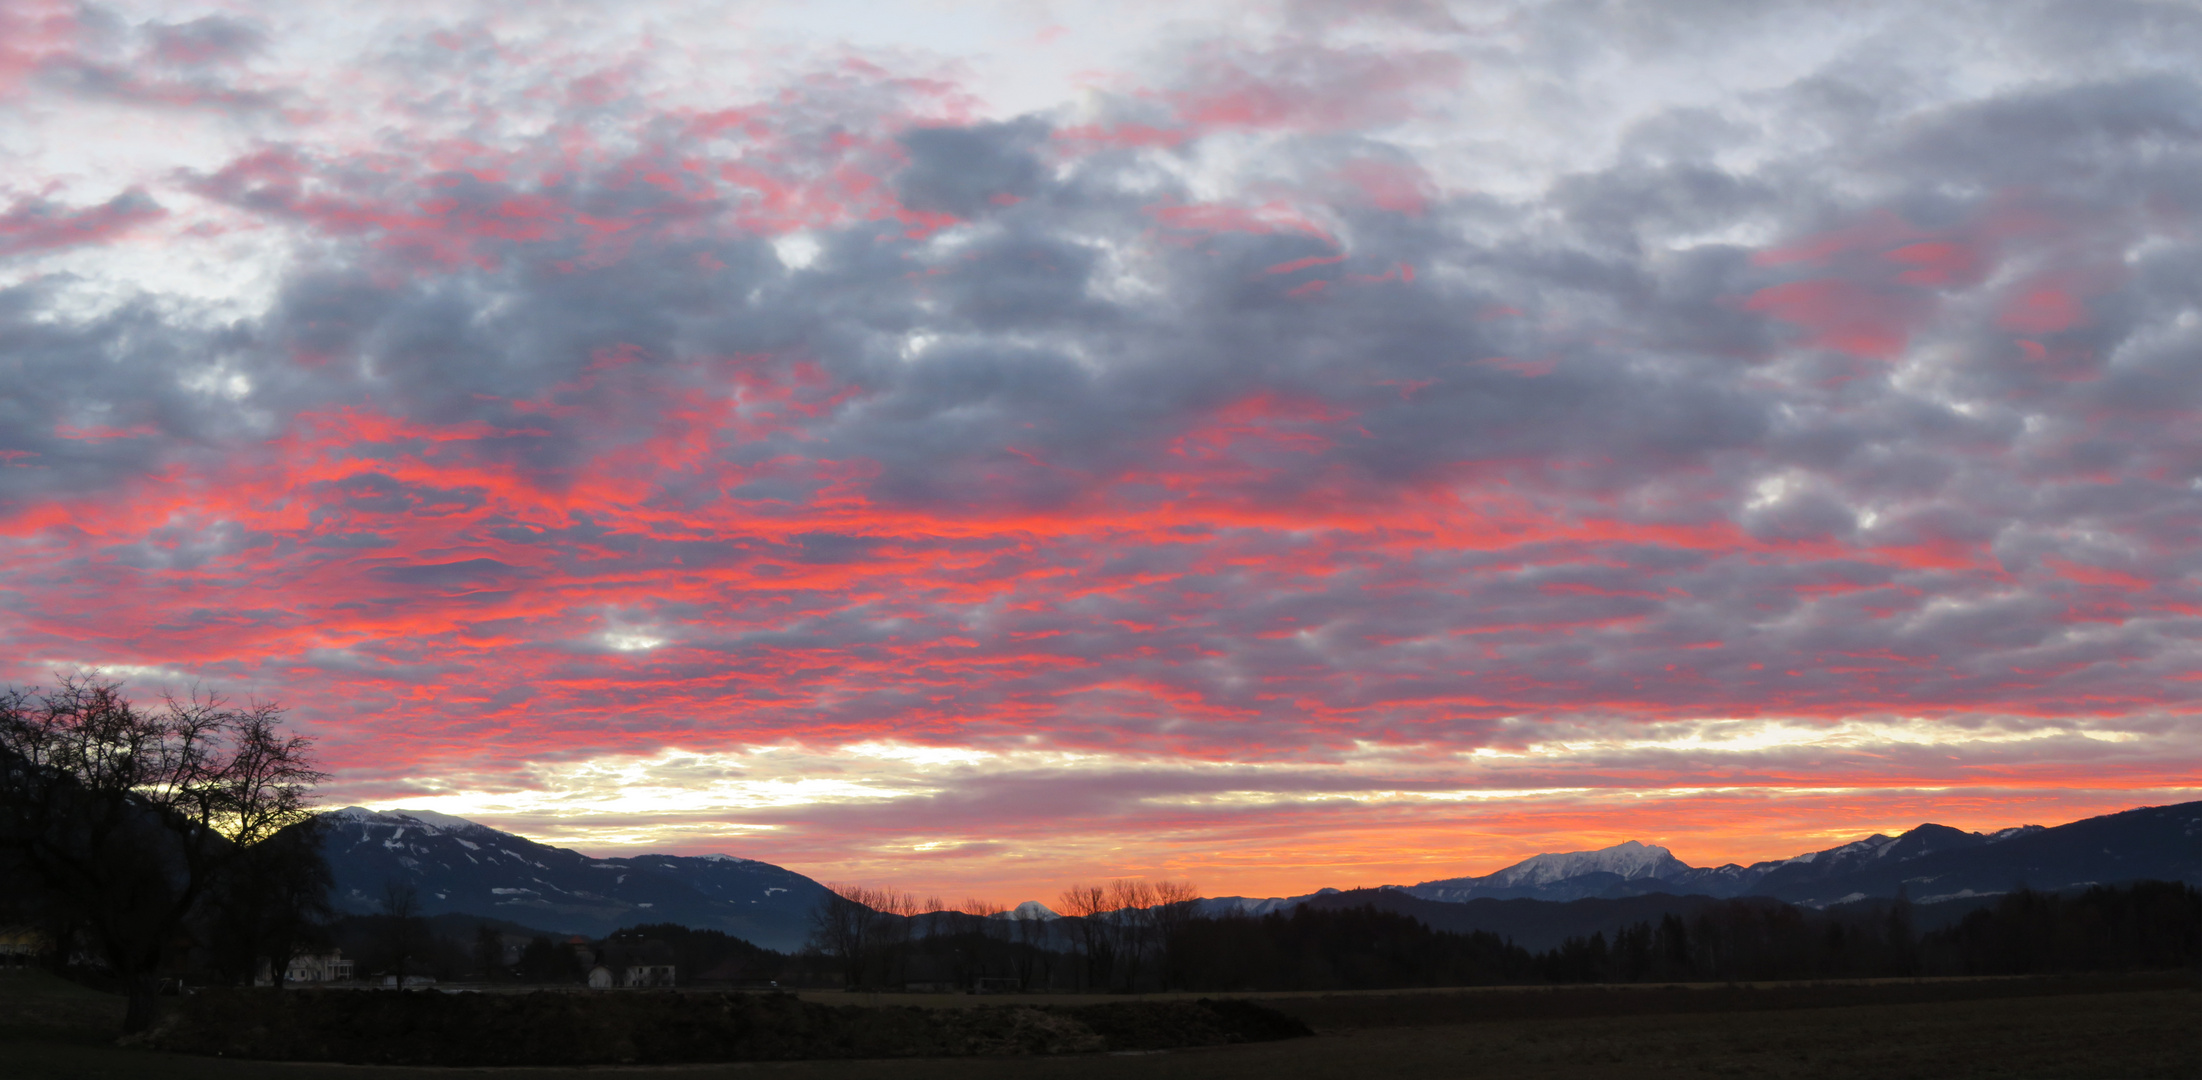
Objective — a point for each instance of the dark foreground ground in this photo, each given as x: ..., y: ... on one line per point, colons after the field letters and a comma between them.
x: 2130, y: 1028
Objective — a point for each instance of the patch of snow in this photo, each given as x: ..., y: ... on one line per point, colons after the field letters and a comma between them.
x: 1630, y: 859
x: 773, y: 889
x: 468, y: 844
x: 430, y: 817
x: 511, y: 892
x: 1961, y: 894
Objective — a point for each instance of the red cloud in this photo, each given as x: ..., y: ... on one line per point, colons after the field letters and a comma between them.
x: 543, y: 453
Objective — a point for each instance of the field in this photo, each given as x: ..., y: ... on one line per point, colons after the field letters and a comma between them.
x: 2103, y: 1028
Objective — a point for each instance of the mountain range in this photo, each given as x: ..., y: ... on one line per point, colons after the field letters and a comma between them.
x: 457, y: 866
x: 1928, y: 863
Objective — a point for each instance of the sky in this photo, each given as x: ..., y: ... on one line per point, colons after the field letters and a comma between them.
x: 976, y: 447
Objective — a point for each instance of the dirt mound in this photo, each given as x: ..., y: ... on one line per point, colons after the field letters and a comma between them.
x: 546, y: 1028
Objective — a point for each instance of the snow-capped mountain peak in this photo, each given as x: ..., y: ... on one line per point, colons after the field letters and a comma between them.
x: 465, y: 867
x: 1630, y: 860
x: 441, y: 821
x: 1567, y: 875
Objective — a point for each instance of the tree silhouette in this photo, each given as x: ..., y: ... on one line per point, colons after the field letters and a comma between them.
x: 403, y: 933
x: 134, y: 817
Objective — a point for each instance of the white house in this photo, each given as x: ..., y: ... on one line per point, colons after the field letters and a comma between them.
x: 648, y: 975
x: 330, y: 966
x: 325, y: 967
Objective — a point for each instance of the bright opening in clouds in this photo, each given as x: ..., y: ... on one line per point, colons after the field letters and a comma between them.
x: 983, y: 445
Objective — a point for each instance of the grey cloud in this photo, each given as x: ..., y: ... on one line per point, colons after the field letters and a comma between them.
x: 211, y: 39
x: 966, y: 170
x: 1083, y: 346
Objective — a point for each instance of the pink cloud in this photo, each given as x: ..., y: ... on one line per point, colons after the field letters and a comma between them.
x: 33, y: 225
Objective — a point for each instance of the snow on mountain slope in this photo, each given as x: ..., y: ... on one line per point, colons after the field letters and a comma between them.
x: 1630, y: 860
x: 1635, y: 869
x: 1563, y: 875
x: 1218, y: 906
x: 1932, y: 862
x: 455, y: 865
x: 1928, y: 862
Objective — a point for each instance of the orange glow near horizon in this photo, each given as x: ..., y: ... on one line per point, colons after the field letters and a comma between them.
x: 1289, y: 464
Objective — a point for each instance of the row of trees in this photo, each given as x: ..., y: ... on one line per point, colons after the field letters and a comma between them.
x: 871, y: 936
x: 2148, y: 925
x: 1118, y: 935
x: 140, y: 831
x: 1744, y: 940
x: 1128, y: 933
x: 1316, y: 948
x: 1137, y: 936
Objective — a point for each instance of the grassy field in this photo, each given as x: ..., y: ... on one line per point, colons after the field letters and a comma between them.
x: 2145, y: 1028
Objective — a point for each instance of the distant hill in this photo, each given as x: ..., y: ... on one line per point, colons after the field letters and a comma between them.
x: 1931, y: 862
x: 459, y: 867
x: 1936, y: 866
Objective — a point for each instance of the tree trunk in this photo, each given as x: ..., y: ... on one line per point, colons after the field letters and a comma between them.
x: 143, y: 990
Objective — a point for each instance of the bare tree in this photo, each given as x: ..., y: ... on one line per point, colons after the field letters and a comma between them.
x: 975, y: 929
x: 896, y: 924
x: 134, y: 816
x: 1032, y: 953
x: 1131, y: 924
x: 1176, y: 905
x: 404, y: 934
x: 864, y: 929
x: 840, y: 928
x: 1092, y: 935
x: 489, y: 953
x: 273, y: 905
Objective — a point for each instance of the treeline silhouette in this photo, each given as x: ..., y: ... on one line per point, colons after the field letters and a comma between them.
x: 1339, y: 949
x: 2143, y: 926
x: 2151, y: 925
x: 2139, y: 927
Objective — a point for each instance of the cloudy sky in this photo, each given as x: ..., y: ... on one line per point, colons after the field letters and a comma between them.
x: 978, y: 446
